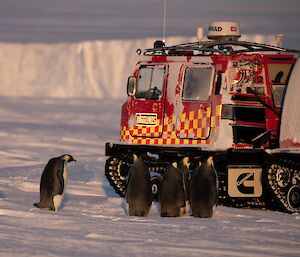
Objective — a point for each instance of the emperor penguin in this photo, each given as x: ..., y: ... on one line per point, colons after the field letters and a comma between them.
x: 53, y: 183
x: 204, y: 189
x: 186, y: 173
x: 172, y: 193
x: 138, y: 194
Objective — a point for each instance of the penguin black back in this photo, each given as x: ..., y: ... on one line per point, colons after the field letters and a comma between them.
x: 138, y: 193
x: 203, y: 189
x: 53, y: 181
x: 171, y: 195
x: 183, y: 166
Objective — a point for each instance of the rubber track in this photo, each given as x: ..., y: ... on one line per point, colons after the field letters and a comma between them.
x: 283, y: 178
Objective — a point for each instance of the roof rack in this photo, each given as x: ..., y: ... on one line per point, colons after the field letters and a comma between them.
x: 218, y: 47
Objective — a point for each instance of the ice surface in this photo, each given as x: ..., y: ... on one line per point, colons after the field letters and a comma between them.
x: 92, y: 220
x: 86, y: 69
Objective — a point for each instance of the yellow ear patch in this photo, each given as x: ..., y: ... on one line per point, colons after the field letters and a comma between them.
x: 186, y: 161
x: 210, y: 161
x: 174, y: 164
x: 66, y: 157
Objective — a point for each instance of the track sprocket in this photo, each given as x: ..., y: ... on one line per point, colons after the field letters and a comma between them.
x: 116, y: 171
x: 284, y: 181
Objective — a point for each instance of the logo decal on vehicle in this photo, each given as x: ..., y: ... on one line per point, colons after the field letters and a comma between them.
x: 146, y: 119
x: 244, y: 181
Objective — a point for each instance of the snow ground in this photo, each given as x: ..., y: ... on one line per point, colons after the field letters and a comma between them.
x: 92, y: 221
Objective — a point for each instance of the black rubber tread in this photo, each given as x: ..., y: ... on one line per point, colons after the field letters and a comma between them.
x: 280, y: 181
x: 284, y: 182
x: 116, y: 170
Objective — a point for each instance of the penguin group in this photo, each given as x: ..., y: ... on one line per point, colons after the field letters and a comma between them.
x: 182, y: 190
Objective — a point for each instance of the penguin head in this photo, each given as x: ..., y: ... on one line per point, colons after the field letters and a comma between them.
x: 175, y: 165
x: 68, y: 158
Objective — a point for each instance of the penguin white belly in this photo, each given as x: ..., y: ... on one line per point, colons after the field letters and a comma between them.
x: 58, y: 199
x: 65, y: 174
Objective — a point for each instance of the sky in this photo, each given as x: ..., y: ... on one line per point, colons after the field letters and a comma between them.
x: 56, y: 21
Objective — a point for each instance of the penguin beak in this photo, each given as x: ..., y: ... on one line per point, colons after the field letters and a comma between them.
x: 72, y: 159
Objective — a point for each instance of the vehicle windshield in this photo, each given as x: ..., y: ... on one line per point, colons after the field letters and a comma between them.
x: 150, y: 82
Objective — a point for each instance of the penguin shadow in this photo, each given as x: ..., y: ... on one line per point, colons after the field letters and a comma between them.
x: 124, y: 206
x: 154, y: 209
x: 108, y: 190
x: 67, y: 200
x: 79, y: 172
x: 2, y: 196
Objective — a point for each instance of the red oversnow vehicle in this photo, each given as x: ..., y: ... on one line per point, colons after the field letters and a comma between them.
x: 223, y: 98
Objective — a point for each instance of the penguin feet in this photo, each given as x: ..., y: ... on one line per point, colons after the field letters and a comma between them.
x: 44, y: 208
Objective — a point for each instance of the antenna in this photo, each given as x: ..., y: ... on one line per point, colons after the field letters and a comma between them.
x: 164, y: 26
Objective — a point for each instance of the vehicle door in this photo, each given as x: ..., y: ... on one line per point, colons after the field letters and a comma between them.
x: 147, y: 105
x: 194, y: 121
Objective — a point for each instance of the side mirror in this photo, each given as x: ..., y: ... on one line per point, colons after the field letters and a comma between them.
x: 131, y: 86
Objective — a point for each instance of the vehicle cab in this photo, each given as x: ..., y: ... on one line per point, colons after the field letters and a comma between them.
x: 220, y: 93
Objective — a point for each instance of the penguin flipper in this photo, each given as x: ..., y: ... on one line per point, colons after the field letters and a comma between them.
x: 61, y: 182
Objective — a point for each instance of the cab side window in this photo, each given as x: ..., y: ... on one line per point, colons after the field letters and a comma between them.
x: 279, y: 74
x: 197, y: 82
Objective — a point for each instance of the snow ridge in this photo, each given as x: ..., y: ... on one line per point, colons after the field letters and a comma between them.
x: 91, y: 69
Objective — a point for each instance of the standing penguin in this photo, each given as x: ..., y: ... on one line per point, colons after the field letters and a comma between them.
x: 138, y: 194
x: 53, y: 182
x: 184, y: 168
x: 172, y: 195
x: 204, y: 189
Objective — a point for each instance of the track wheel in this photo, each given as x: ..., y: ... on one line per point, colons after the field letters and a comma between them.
x: 155, y: 183
x: 284, y: 181
x: 293, y: 197
x: 116, y: 170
